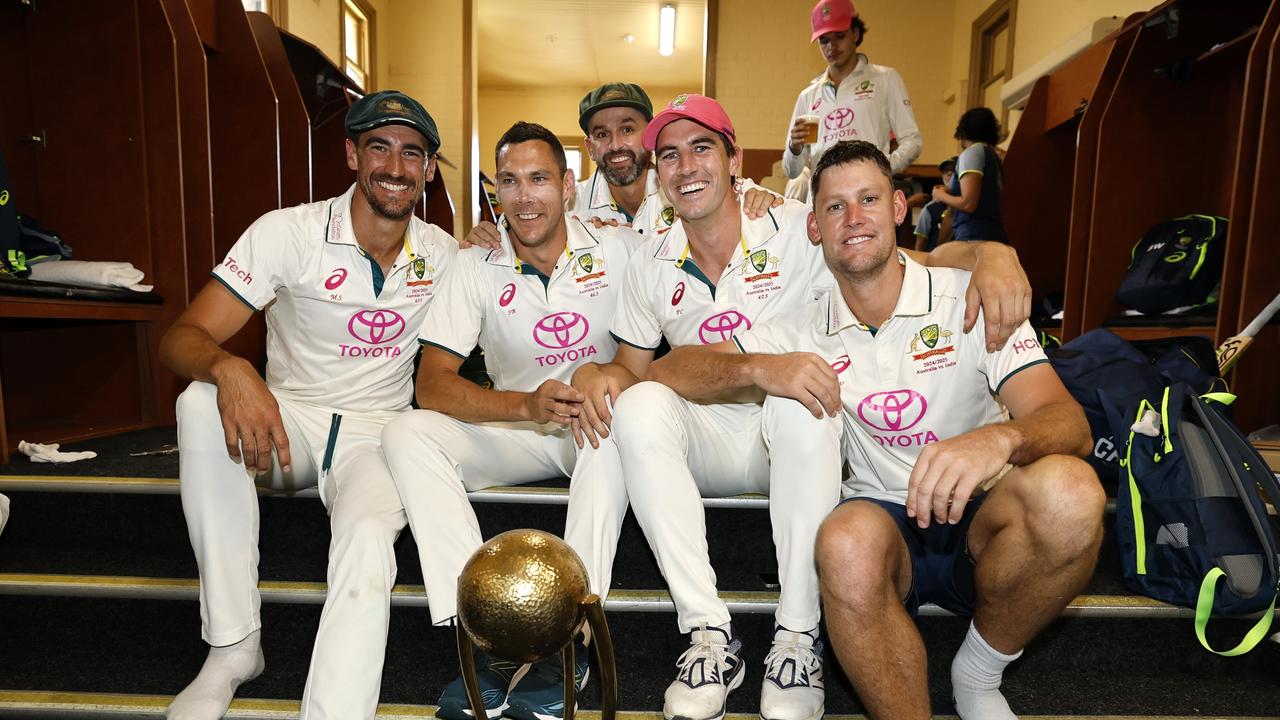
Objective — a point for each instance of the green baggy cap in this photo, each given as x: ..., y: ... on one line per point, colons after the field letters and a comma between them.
x: 392, y: 107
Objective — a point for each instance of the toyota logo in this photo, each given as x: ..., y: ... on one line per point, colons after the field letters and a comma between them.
x: 721, y: 326
x: 840, y: 364
x: 838, y: 118
x: 560, y: 330
x: 893, y: 410
x: 376, y: 326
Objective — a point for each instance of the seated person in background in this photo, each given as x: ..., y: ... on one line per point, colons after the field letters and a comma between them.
x: 682, y: 435
x: 973, y: 195
x: 922, y: 436
x: 341, y: 281
x: 540, y: 305
x: 929, y: 225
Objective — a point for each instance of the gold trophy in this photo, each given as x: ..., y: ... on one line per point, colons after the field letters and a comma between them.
x: 521, y: 597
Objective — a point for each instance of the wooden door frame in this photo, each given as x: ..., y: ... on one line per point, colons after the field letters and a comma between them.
x: 980, y: 26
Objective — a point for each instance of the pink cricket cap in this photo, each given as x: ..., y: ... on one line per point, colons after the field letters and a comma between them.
x: 698, y: 108
x: 832, y: 16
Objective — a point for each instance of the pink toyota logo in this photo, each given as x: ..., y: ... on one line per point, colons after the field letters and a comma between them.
x: 893, y: 410
x: 838, y: 118
x: 376, y: 327
x: 840, y: 364
x: 560, y: 330
x: 721, y: 326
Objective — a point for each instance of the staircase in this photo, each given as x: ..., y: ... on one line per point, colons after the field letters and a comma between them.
x: 99, y: 615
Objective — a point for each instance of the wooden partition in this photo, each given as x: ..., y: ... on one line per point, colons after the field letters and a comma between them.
x: 1041, y: 166
x: 1084, y: 176
x: 243, y: 124
x: 1167, y: 143
x: 193, y: 123
x: 326, y: 93
x: 92, y: 154
x: 294, y: 125
x: 1255, y: 378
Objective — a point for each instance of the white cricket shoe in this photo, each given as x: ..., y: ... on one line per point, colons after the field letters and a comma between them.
x: 707, y: 672
x: 793, y: 687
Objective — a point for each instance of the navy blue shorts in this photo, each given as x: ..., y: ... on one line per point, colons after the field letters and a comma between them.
x: 941, y: 566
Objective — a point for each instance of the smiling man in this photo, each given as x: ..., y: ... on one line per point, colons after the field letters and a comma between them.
x: 540, y: 305
x: 923, y: 434
x: 342, y: 282
x: 683, y: 436
x: 853, y: 99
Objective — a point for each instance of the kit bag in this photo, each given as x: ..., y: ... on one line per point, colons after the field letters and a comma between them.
x: 1191, y: 522
x: 1177, y: 263
x: 1109, y: 375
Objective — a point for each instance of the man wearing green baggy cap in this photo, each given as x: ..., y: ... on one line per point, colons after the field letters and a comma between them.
x: 344, y: 284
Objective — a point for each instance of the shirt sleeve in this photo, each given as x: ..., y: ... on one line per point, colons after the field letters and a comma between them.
x: 925, y: 223
x: 634, y: 321
x: 261, y: 260
x: 456, y: 315
x: 793, y: 164
x: 1019, y: 353
x: 902, y: 121
x: 972, y: 160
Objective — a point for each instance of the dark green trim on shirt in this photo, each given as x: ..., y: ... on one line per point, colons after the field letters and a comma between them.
x: 624, y: 341
x: 527, y: 269
x: 449, y: 350
x: 1033, y: 363
x: 233, y: 292
x: 692, y: 268
x: 378, y: 277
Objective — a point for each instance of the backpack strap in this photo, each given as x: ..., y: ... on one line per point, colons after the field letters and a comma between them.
x: 1135, y: 496
x: 1204, y: 608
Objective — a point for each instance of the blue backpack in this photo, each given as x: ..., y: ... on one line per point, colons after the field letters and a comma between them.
x: 1109, y: 376
x: 1191, y: 523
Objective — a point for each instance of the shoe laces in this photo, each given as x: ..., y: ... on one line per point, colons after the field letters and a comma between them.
x: 718, y: 652
x: 805, y: 656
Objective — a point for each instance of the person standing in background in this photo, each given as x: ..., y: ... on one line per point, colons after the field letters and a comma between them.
x: 851, y: 100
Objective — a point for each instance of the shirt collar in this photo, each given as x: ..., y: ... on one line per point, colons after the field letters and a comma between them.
x: 579, y: 239
x: 755, y: 233
x: 339, y: 230
x: 602, y: 194
x: 915, y: 298
x: 858, y: 68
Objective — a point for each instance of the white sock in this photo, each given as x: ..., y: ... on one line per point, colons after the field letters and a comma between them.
x: 976, y: 672
x: 209, y: 695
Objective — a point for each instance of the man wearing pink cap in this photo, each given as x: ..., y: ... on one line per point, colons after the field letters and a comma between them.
x: 852, y: 99
x: 713, y: 272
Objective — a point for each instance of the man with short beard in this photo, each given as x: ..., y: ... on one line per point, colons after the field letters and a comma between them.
x: 343, y: 283
x: 624, y: 188
x: 540, y: 305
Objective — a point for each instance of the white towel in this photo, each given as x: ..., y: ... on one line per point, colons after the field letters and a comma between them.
x: 91, y: 274
x: 50, y: 453
x: 4, y: 512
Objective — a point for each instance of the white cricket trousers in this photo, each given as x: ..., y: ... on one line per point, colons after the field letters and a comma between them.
x: 675, y: 452
x: 436, y: 460
x: 220, y: 502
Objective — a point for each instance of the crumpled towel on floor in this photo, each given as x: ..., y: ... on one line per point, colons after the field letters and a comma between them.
x: 50, y: 453
x: 91, y: 273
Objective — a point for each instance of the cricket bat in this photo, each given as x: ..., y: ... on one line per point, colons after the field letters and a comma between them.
x: 1231, y: 349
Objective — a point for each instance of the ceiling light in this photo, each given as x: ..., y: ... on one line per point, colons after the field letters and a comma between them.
x: 628, y: 38
x: 667, y: 29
